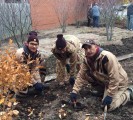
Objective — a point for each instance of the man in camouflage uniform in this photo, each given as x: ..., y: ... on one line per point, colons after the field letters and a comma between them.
x: 30, y: 55
x: 69, y: 57
x: 101, y: 68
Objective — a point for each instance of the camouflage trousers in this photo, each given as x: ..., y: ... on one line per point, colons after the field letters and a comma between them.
x: 120, y: 98
x: 61, y: 71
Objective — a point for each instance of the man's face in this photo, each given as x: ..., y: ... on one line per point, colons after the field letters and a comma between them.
x: 63, y: 50
x: 90, y: 50
x: 33, y: 46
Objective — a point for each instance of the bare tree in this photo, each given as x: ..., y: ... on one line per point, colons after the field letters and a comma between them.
x: 62, y: 8
x: 15, y: 20
x: 80, y: 11
x: 108, y: 15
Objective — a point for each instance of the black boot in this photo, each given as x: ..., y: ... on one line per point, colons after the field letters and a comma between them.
x: 130, y: 89
x: 46, y: 87
x: 32, y: 91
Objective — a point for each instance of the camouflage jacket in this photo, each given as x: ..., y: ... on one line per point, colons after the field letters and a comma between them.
x: 106, y: 69
x: 73, y: 45
x: 32, y: 61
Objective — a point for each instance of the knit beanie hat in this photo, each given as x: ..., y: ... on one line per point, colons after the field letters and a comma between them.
x: 60, y: 42
x: 32, y: 38
x: 33, y: 33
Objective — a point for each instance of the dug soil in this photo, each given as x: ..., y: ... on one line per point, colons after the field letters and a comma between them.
x: 47, y: 106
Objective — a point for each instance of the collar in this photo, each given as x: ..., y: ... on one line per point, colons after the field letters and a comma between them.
x: 98, y: 51
x: 28, y: 52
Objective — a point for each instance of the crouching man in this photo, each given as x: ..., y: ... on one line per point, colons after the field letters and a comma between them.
x: 101, y: 68
x: 69, y: 57
x: 30, y: 55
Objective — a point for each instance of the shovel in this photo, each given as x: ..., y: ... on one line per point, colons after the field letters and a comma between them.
x: 105, y: 112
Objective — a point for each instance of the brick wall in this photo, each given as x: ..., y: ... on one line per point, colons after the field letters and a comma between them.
x: 44, y: 16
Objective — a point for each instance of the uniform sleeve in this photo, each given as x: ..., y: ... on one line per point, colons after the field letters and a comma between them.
x: 113, y: 73
x: 19, y: 55
x: 73, y: 61
x: 35, y: 73
x: 35, y: 76
x: 81, y: 79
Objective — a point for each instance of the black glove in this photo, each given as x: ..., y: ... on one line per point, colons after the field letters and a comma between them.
x: 68, y: 68
x: 39, y: 86
x: 71, y: 81
x: 73, y: 97
x: 107, y: 100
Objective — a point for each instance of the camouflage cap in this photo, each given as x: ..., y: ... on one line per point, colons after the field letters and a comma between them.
x: 88, y: 42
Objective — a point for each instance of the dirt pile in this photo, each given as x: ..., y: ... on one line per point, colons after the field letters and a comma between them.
x: 118, y: 50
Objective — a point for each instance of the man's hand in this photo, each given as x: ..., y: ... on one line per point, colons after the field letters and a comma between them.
x: 107, y: 100
x: 73, y: 97
x: 71, y: 81
x: 68, y: 68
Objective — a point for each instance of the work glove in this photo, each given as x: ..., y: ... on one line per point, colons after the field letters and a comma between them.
x: 76, y: 105
x: 107, y: 100
x: 73, y: 97
x: 43, y: 71
x: 71, y: 81
x: 39, y: 86
x: 68, y: 68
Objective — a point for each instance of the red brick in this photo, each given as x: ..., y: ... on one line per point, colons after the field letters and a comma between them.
x: 44, y: 16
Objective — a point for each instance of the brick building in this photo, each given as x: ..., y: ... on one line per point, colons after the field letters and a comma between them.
x: 45, y: 16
